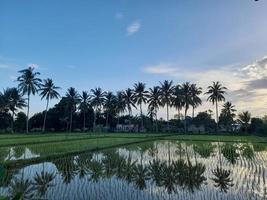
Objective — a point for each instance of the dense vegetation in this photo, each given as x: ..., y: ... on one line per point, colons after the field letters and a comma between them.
x: 102, y: 111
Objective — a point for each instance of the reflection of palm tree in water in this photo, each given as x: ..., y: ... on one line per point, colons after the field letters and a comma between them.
x: 67, y: 168
x: 222, y: 178
x: 140, y: 174
x: 169, y: 175
x: 193, y: 175
x: 21, y: 189
x: 43, y: 181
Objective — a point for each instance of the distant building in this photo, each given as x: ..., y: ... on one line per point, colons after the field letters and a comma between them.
x: 126, y: 128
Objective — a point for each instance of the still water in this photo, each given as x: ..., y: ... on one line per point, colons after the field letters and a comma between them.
x: 154, y: 170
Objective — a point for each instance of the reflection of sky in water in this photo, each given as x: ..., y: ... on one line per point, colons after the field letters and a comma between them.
x: 249, y: 177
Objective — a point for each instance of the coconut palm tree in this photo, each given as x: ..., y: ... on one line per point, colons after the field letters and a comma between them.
x: 14, y: 101
x: 177, y: 100
x: 187, y: 100
x: 154, y: 102
x: 244, y: 118
x: 109, y: 105
x: 128, y: 96
x: 97, y: 100
x: 72, y: 99
x: 166, y: 96
x: 29, y: 83
x: 196, y: 100
x: 140, y: 96
x: 216, y: 94
x: 227, y: 115
x: 84, y: 105
x: 120, y: 104
x: 48, y: 91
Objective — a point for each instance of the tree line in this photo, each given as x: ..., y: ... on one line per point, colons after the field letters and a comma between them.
x: 110, y: 106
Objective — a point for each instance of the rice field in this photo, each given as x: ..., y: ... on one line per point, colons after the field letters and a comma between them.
x: 134, y: 167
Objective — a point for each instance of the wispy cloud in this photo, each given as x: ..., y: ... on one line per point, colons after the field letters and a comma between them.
x: 4, y: 66
x: 119, y: 16
x: 247, y: 84
x: 133, y: 28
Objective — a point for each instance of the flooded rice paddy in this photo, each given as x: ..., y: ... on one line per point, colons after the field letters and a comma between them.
x: 150, y: 171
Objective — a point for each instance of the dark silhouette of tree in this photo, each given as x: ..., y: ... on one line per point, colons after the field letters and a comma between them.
x: 227, y: 115
x: 166, y: 96
x: 140, y: 97
x: 177, y: 100
x: 84, y: 105
x: 109, y: 105
x: 128, y: 98
x: 28, y: 84
x: 196, y: 100
x: 244, y: 118
x: 97, y: 100
x: 14, y: 101
x: 120, y: 104
x: 48, y: 91
x: 73, y: 99
x: 187, y: 100
x: 216, y: 94
x: 154, y: 102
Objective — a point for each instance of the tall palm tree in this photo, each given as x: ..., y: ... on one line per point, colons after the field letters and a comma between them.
x: 140, y: 96
x: 216, y: 94
x: 154, y: 102
x: 187, y: 100
x: 120, y: 104
x: 97, y: 100
x: 166, y: 95
x: 109, y: 105
x: 244, y: 118
x: 177, y: 100
x: 72, y: 99
x: 29, y: 83
x: 48, y: 91
x: 84, y: 105
x: 14, y: 101
x: 196, y: 100
x: 128, y: 96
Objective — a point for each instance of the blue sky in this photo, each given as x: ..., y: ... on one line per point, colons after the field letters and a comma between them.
x: 113, y: 44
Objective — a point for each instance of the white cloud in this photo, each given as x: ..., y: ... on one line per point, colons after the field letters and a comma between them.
x: 32, y: 65
x: 246, y: 84
x: 133, y: 28
x: 4, y: 66
x: 119, y: 16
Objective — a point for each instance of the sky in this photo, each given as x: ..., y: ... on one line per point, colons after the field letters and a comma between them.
x: 114, y: 44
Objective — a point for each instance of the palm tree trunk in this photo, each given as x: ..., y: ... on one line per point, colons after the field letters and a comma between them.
x: 185, y: 124
x: 156, y: 121
x: 94, y: 125
x: 107, y: 120
x: 45, y: 115
x: 83, y: 121
x: 28, y: 109
x: 168, y: 124
x: 12, y: 122
x: 70, y: 120
x: 217, y: 121
x: 179, y: 114
x: 141, y: 113
x: 193, y: 112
